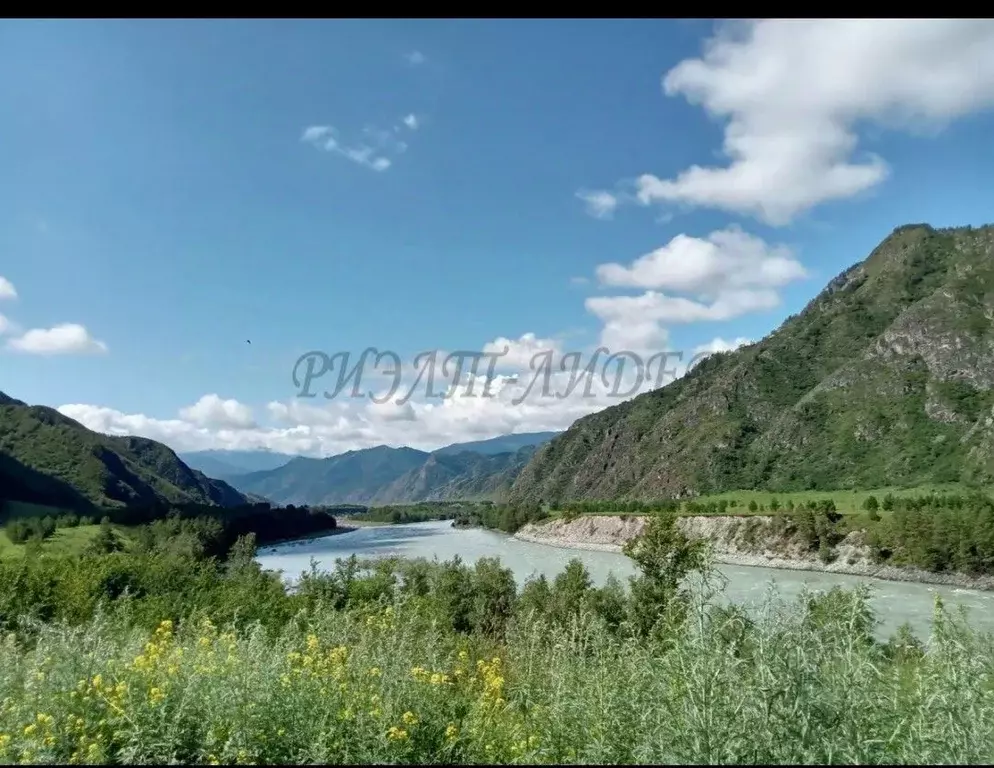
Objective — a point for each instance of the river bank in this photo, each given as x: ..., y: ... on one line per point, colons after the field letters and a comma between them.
x: 748, y: 541
x: 339, y: 528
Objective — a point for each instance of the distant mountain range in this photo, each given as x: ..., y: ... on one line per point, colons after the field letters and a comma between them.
x: 482, y: 469
x: 49, y: 459
x: 224, y: 464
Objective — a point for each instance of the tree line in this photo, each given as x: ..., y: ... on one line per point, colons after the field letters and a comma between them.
x: 266, y: 522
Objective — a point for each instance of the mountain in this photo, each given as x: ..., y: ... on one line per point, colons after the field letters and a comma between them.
x: 385, y: 475
x: 885, y: 378
x: 224, y: 464
x: 462, y: 476
x: 502, y: 444
x: 352, y: 477
x: 47, y: 458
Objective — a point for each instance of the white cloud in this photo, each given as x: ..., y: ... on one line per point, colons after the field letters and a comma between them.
x: 792, y: 93
x: 415, y: 57
x: 323, y: 137
x: 517, y: 354
x: 599, y: 204
x: 212, y: 411
x: 7, y: 290
x: 718, y: 344
x: 371, y: 152
x: 315, y: 133
x: 724, y: 260
x: 63, y: 339
x: 526, y: 402
x: 727, y: 274
x: 4, y: 325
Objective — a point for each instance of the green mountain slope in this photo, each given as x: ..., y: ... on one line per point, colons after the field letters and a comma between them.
x: 385, y: 475
x: 885, y: 378
x: 462, y: 476
x: 353, y: 477
x: 48, y: 458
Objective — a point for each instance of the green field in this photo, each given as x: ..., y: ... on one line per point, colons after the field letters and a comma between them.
x: 847, y: 502
x: 65, y: 541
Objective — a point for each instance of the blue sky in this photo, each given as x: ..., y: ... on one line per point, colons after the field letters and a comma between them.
x: 158, y: 192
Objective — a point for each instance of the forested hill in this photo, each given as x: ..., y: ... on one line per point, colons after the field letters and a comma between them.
x: 885, y: 378
x: 47, y: 458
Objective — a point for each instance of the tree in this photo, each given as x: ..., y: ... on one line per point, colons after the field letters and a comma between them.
x: 570, y: 591
x: 105, y: 539
x: 242, y: 555
x: 870, y: 505
x: 753, y: 506
x: 494, y: 596
x: 665, y: 557
x: 535, y: 597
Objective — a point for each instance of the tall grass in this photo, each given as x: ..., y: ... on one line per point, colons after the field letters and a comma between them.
x: 798, y: 683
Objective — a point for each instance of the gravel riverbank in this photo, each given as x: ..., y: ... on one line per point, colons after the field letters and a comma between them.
x: 747, y: 541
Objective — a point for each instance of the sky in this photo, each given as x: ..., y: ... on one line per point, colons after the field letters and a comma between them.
x: 189, y: 207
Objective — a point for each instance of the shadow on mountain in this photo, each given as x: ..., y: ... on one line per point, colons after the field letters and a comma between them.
x: 19, y: 482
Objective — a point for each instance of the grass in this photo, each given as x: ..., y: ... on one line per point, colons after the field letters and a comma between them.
x: 386, y: 685
x: 65, y: 541
x: 847, y: 502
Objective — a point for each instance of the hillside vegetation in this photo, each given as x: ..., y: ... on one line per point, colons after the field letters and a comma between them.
x: 164, y: 656
x: 47, y: 458
x: 885, y: 379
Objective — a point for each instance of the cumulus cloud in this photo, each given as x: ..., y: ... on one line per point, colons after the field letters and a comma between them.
x: 7, y: 290
x: 723, y: 261
x: 599, y: 204
x: 63, y: 339
x: 793, y: 92
x: 473, y: 408
x: 517, y: 354
x: 718, y: 344
x: 411, y: 121
x: 212, y: 411
x: 414, y: 58
x: 725, y: 275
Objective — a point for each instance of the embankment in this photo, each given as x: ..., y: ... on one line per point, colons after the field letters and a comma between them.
x: 752, y: 540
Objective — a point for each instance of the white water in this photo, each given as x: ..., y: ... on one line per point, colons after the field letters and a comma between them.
x: 893, y: 602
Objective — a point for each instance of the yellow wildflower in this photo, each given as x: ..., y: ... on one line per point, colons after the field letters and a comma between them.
x: 451, y: 732
x: 409, y: 718
x: 396, y: 734
x: 374, y: 672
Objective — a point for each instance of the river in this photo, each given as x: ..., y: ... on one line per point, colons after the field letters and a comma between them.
x: 893, y: 602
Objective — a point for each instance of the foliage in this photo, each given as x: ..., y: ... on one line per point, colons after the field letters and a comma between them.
x: 198, y: 661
